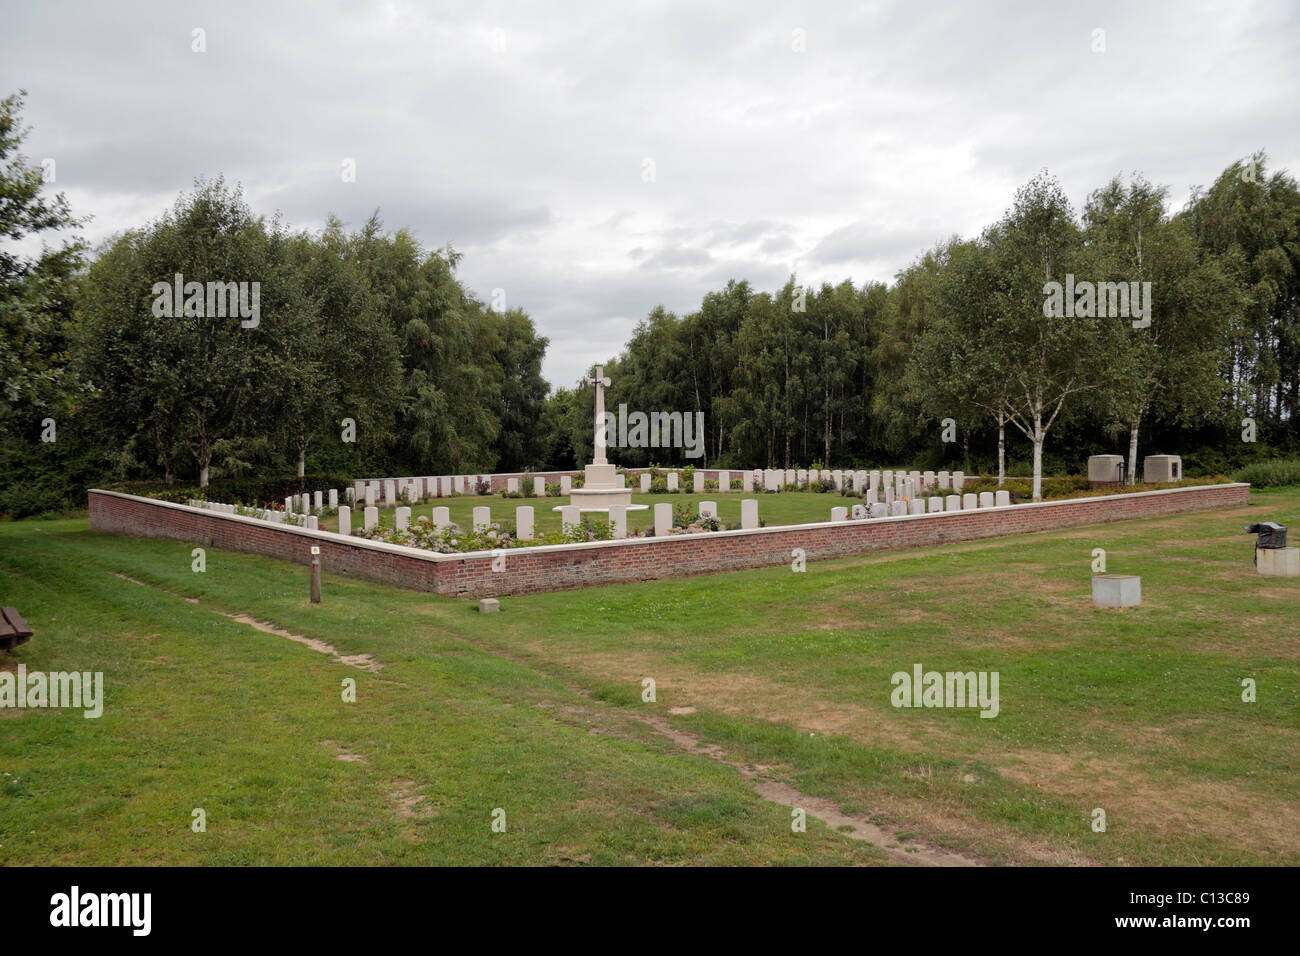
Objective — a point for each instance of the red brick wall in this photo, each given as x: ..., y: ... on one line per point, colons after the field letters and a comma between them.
x: 583, y: 565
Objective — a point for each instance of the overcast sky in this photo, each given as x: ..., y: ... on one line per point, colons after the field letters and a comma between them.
x: 833, y: 140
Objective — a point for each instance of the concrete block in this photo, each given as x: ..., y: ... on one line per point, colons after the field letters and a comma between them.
x: 1116, y: 590
x: 1278, y: 562
x: 488, y: 605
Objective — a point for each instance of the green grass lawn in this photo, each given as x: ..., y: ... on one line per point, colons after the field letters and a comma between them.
x: 538, y: 710
x: 787, y: 507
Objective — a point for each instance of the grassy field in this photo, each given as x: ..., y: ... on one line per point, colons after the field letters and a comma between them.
x: 789, y: 507
x: 772, y: 690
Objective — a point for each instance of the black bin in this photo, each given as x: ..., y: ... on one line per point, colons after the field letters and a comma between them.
x: 1271, y: 534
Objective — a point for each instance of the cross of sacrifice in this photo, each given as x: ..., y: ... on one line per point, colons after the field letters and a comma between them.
x: 601, y: 382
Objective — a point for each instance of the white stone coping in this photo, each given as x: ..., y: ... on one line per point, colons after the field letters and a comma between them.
x: 489, y: 554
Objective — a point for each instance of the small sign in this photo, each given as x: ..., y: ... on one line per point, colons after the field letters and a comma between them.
x: 315, y: 550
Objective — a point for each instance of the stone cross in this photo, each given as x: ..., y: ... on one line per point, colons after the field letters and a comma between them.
x: 601, y: 382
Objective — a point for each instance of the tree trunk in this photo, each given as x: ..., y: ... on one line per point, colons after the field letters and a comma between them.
x: 1002, y: 448
x: 302, y: 460
x: 203, y: 474
x: 1038, y: 458
x: 1133, y: 454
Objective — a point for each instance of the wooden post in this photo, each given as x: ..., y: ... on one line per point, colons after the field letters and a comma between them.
x: 315, y: 575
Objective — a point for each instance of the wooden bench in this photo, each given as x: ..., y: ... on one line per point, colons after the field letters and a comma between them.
x: 13, y: 629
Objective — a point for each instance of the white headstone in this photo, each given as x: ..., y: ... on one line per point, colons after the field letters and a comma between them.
x: 986, y: 499
x: 539, y: 486
x: 370, y: 496
x: 334, y: 498
x: 288, y: 505
x: 482, y: 517
x: 839, y: 514
x: 858, y: 512
x: 944, y: 480
x: 958, y: 479
x: 618, y: 520
x: 927, y: 479
x: 899, y: 507
x: 524, y: 523
x: 969, y: 502
x: 566, y: 484
x: 402, y: 518
x: 916, y: 506
x: 645, y: 482
x: 663, y: 519
x: 445, y: 486
x: 878, y: 510
x: 512, y: 486
x: 724, y: 481
x: 672, y: 481
x: 1001, y: 499
x: 873, y: 479
x: 570, y: 516
x: 345, y: 520
x: 699, y: 483
x: 747, y: 481
x: 318, y: 500
x: 952, y: 503
x: 801, y: 475
x: 936, y: 504
x: 837, y: 476
x: 313, y: 523
x: 749, y: 512
x: 306, y: 503
x: 370, y: 517
x: 441, y: 517
x: 708, y: 509
x: 390, y: 492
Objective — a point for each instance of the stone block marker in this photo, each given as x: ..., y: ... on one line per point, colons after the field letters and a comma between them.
x: 288, y: 505
x: 488, y: 605
x: 370, y: 496
x: 441, y: 517
x: 916, y: 506
x: 306, y: 503
x: 1001, y: 499
x: 837, y: 476
x: 698, y: 483
x: 370, y: 517
x: 570, y: 515
x: 313, y: 523
x: 663, y: 519
x: 1116, y: 590
x: 390, y: 492
x: 708, y: 509
x: 839, y: 514
x: 482, y: 517
x: 402, y: 518
x: 747, y: 482
x: 749, y: 513
x: 944, y: 480
x: 986, y: 499
x: 334, y: 498
x: 1278, y: 562
x: 645, y: 482
x: 878, y: 509
x: 958, y: 479
x: 345, y: 520
x: 969, y: 502
x: 898, y: 508
x: 724, y: 481
x: 446, y: 486
x: 952, y: 503
x: 512, y: 486
x: 539, y: 486
x: 524, y: 523
x: 858, y: 512
x: 618, y: 520
x: 672, y: 481
x: 317, y: 501
x: 566, y: 484
x: 935, y: 504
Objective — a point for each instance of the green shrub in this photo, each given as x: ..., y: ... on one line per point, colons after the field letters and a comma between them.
x: 1278, y: 473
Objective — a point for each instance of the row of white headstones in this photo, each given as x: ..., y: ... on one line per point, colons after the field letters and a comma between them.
x: 883, y: 485
x: 571, y: 516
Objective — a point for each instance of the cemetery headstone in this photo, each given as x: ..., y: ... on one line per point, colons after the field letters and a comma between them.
x: 1002, y: 499
x: 441, y: 517
x: 952, y: 503
x: 570, y: 516
x: 345, y: 520
x: 645, y: 482
x: 672, y: 481
x: 839, y: 513
x: 618, y: 520
x: 334, y: 499
x: 482, y: 518
x: 539, y: 486
x: 524, y: 522
x: 986, y: 499
x: 969, y: 502
x: 699, y: 483
x: 402, y: 518
x: 663, y: 519
x: 370, y: 517
x: 749, y: 512
x: 566, y: 484
x: 708, y: 509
